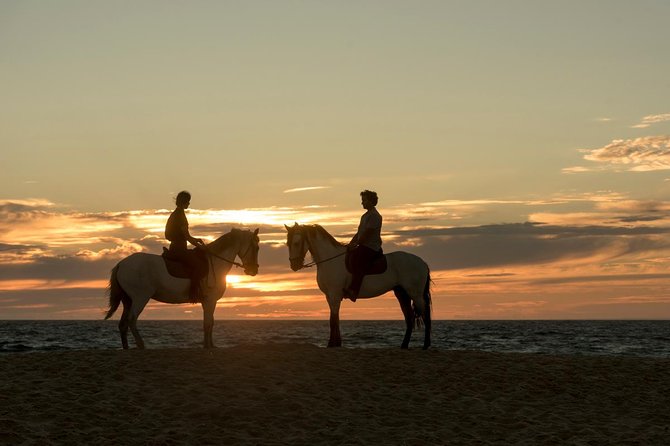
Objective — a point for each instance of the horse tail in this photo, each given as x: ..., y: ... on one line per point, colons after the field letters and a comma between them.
x: 422, y: 315
x: 115, y: 292
x: 427, y: 298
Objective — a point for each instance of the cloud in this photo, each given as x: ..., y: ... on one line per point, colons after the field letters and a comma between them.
x: 533, y: 245
x: 523, y: 304
x: 28, y: 202
x: 303, y: 189
x: 643, y: 154
x: 577, y: 169
x: 125, y: 249
x: 652, y: 119
x: 47, y: 253
x: 609, y: 278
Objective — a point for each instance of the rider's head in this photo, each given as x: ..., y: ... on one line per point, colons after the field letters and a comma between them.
x: 370, y: 197
x: 183, y: 199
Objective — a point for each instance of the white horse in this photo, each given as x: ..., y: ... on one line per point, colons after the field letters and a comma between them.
x: 141, y: 276
x: 406, y: 274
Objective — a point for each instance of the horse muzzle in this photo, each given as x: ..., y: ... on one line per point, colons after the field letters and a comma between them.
x: 251, y: 271
x: 296, y: 265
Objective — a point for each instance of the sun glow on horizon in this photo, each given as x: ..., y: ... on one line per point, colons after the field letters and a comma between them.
x: 234, y: 279
x: 44, y: 284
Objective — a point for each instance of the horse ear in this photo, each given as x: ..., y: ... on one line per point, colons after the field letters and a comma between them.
x: 295, y: 225
x: 287, y: 228
x: 256, y: 231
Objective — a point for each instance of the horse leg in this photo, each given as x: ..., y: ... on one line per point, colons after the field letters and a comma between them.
x: 335, y: 336
x: 135, y: 310
x: 123, y: 325
x: 428, y: 309
x: 426, y: 323
x: 406, y: 307
x: 208, y: 308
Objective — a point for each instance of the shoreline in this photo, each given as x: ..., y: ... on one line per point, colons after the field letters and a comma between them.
x: 303, y: 394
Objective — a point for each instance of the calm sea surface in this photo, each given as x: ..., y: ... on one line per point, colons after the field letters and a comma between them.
x: 629, y: 338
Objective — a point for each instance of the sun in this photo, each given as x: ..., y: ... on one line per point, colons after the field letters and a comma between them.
x: 233, y: 278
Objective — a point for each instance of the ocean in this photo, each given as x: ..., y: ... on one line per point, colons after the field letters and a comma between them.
x: 611, y: 338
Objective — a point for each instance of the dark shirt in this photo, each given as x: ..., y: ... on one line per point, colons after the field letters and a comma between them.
x: 371, y: 220
x: 174, y: 227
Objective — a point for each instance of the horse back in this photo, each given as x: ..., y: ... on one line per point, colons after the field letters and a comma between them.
x: 406, y: 260
x: 142, y: 263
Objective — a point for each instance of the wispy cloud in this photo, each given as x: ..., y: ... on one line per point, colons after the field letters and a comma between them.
x: 523, y: 303
x: 652, y: 119
x: 15, y: 204
x: 304, y: 189
x: 643, y: 154
x: 577, y: 169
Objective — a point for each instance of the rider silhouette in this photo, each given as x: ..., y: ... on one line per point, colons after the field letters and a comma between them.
x: 366, y: 244
x: 176, y: 231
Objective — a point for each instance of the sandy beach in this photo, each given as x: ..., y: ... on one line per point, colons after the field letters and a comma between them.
x: 301, y: 394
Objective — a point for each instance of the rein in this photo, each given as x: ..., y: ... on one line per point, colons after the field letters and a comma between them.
x: 211, y: 263
x: 211, y: 254
x: 311, y: 264
x: 232, y: 262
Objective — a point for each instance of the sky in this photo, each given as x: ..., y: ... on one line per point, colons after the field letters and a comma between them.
x: 521, y: 148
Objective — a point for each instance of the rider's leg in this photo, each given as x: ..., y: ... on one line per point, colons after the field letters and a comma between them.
x: 361, y: 258
x: 197, y: 264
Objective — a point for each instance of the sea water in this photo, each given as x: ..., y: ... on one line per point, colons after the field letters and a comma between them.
x: 614, y: 338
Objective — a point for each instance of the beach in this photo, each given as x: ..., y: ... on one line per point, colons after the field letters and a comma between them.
x: 270, y: 394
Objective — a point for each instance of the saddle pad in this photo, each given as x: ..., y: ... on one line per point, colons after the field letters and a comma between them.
x: 175, y: 268
x: 378, y: 266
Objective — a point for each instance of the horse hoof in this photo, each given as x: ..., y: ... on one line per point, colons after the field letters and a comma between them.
x: 404, y: 346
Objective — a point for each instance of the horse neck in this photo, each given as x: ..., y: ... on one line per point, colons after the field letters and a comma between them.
x: 321, y: 248
x: 227, y: 247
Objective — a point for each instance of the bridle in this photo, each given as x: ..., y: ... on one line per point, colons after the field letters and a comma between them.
x: 310, y: 264
x: 211, y: 254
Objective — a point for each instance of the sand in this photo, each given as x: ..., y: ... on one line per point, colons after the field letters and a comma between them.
x: 302, y: 394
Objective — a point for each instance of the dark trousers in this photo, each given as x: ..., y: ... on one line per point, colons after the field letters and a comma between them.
x: 360, y: 260
x: 194, y: 259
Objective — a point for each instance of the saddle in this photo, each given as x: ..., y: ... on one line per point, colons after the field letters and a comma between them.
x: 176, y: 268
x: 378, y: 265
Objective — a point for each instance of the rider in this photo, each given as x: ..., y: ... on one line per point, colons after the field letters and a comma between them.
x: 366, y: 244
x: 176, y: 231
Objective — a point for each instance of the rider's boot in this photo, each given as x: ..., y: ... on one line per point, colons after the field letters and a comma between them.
x: 350, y: 293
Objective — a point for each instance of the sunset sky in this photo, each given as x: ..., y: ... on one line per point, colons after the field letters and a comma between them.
x: 521, y: 148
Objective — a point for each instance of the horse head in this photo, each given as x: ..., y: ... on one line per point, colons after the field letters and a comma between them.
x: 297, y: 242
x: 248, y: 252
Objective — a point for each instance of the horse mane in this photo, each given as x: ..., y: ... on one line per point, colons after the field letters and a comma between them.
x: 225, y: 240
x: 319, y: 229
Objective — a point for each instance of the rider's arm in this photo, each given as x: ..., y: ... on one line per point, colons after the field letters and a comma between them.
x: 369, y: 227
x: 192, y: 240
x: 367, y: 234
